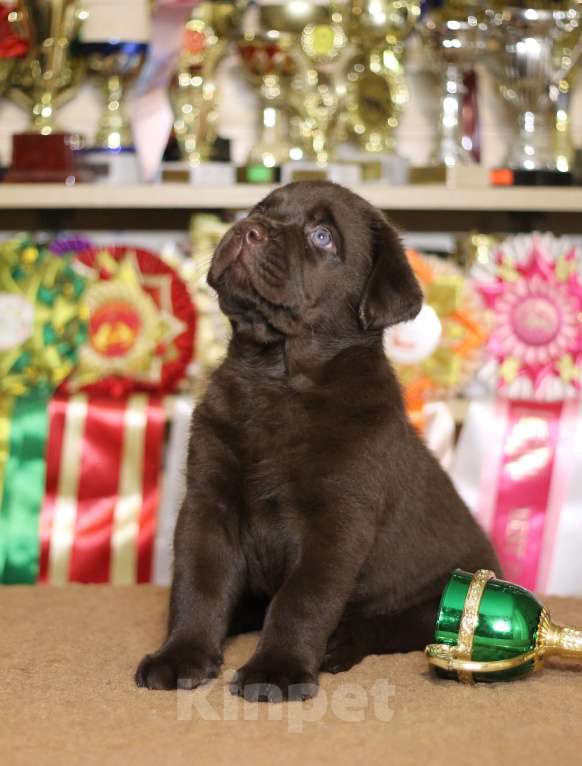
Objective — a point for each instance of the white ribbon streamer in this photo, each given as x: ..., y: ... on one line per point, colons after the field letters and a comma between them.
x: 173, y: 489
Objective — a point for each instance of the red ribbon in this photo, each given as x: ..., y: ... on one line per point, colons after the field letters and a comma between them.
x: 470, y: 114
x: 100, y: 462
x: 103, y: 431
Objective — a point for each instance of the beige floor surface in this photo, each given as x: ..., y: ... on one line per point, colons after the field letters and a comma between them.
x: 67, y: 696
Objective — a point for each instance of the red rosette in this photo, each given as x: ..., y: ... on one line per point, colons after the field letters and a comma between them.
x: 11, y: 46
x: 142, y: 324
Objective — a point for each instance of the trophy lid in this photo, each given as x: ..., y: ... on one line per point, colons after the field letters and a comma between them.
x: 504, y: 624
x: 489, y: 630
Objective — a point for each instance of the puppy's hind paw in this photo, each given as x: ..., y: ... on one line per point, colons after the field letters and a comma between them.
x: 342, y: 653
x: 339, y: 662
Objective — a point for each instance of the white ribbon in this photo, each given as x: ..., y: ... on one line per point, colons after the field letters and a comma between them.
x: 173, y: 488
x: 151, y: 114
x: 439, y: 431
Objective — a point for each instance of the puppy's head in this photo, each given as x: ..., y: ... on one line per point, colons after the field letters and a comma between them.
x: 313, y: 256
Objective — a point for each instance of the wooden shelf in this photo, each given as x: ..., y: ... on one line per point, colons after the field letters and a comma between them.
x: 240, y: 196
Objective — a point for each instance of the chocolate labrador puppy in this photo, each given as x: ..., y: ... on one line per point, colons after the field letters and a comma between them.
x: 313, y: 509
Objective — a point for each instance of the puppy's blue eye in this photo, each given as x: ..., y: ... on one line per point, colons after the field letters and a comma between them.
x: 321, y: 237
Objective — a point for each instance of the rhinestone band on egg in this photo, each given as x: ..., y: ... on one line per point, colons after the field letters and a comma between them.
x: 470, y: 618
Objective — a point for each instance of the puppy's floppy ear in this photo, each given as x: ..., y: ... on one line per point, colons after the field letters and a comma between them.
x: 391, y: 294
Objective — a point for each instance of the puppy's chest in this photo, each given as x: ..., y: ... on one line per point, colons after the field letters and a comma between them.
x: 290, y: 440
x: 275, y: 454
x: 276, y: 446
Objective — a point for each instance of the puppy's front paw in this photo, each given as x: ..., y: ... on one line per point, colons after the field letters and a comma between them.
x: 274, y: 679
x: 177, y: 667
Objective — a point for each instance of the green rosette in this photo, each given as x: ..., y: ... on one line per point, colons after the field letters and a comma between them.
x: 43, y: 321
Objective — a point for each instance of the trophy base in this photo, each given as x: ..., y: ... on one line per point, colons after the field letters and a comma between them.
x: 339, y: 172
x: 518, y: 177
x: 255, y: 173
x: 204, y: 174
x: 376, y: 168
x: 455, y: 176
x: 44, y: 159
x: 110, y: 167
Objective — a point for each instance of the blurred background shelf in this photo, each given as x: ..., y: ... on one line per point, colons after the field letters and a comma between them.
x: 240, y: 196
x: 444, y: 208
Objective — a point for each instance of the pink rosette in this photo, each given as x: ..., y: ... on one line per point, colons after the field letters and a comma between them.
x: 532, y: 286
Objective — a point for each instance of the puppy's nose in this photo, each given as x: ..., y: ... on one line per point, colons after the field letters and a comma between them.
x: 253, y: 232
x: 254, y: 235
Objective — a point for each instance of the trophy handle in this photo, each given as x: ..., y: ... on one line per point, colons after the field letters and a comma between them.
x: 77, y: 72
x: 566, y: 25
x: 19, y: 98
x: 443, y: 656
x: 574, y: 56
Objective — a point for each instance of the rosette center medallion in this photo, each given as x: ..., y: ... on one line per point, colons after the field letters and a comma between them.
x: 536, y: 320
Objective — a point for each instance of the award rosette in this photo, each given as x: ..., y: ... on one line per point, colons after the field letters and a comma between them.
x: 437, y: 353
x: 491, y: 630
x: 532, y: 286
x: 108, y: 422
x: 142, y: 324
x: 518, y: 452
x: 43, y: 322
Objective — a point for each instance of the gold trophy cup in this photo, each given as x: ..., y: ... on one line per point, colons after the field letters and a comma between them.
x: 114, y: 65
x: 320, y: 95
x: 44, y: 81
x: 268, y: 50
x: 12, y: 46
x: 376, y: 87
x: 193, y: 91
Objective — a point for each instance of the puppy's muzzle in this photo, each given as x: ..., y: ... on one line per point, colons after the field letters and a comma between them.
x: 243, y: 243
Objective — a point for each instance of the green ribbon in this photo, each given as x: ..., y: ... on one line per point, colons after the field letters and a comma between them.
x: 23, y: 491
x: 29, y: 373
